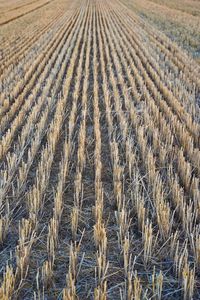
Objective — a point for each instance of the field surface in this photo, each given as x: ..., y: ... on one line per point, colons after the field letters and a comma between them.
x: 99, y: 153
x: 179, y: 20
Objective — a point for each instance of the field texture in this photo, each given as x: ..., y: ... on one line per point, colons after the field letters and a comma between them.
x: 179, y: 20
x: 99, y: 155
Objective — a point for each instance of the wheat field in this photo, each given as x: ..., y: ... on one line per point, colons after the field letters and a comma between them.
x: 99, y: 155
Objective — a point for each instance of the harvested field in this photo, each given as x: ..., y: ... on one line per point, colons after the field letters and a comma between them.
x: 179, y: 20
x: 99, y: 155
